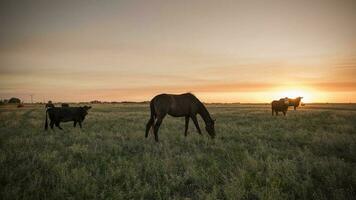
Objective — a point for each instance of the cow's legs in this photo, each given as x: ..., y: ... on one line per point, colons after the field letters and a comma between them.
x: 194, y: 118
x: 295, y: 108
x: 149, y: 125
x: 284, y: 113
x: 276, y: 112
x: 51, y: 124
x: 57, y: 124
x: 186, y: 125
x: 75, y: 124
x: 272, y: 112
x: 80, y: 124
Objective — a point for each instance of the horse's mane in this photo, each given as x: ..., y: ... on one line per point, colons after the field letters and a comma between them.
x: 193, y: 95
x: 190, y: 93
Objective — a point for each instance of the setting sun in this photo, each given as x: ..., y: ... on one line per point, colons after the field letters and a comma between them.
x: 241, y: 51
x: 293, y: 93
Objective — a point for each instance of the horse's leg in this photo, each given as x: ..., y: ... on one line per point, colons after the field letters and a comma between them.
x: 75, y: 124
x: 284, y: 113
x: 276, y: 112
x: 80, y: 124
x: 186, y: 125
x: 156, y: 127
x: 194, y: 118
x: 149, y: 125
x: 295, y: 108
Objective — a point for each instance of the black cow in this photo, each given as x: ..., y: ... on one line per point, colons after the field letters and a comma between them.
x: 49, y: 105
x: 66, y: 114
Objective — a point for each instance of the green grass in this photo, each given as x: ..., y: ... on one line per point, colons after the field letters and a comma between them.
x: 310, y: 154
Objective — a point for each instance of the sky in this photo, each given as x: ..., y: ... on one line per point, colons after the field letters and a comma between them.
x: 222, y: 51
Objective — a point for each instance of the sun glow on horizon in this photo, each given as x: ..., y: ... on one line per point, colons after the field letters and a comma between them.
x: 309, y: 95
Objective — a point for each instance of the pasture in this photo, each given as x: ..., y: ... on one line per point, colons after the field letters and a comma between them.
x: 309, y: 154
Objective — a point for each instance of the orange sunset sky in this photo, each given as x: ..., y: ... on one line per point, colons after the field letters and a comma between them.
x: 222, y: 51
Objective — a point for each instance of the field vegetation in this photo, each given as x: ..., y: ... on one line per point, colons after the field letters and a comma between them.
x: 309, y: 154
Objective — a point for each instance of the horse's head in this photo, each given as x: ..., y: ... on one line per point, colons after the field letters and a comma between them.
x: 210, y: 128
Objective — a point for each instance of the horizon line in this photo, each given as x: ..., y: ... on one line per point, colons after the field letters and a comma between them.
x: 144, y: 102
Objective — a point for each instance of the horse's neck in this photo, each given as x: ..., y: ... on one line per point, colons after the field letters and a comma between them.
x: 204, y: 113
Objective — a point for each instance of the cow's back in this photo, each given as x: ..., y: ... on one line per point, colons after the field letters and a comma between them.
x: 64, y: 114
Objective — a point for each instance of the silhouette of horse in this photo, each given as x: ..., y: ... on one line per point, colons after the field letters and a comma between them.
x: 183, y: 105
x: 295, y: 102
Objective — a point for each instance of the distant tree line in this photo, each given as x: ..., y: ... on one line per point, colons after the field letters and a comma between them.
x: 115, y: 102
x: 15, y: 100
x: 12, y: 100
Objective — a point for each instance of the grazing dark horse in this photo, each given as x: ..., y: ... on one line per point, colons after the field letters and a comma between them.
x: 295, y: 102
x: 183, y: 105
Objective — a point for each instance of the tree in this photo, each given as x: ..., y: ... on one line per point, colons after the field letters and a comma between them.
x: 14, y: 100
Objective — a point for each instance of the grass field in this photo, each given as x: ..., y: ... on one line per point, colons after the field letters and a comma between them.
x: 310, y: 154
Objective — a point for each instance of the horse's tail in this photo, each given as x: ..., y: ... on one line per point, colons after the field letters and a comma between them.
x: 46, y: 123
x: 151, y: 121
x: 152, y: 108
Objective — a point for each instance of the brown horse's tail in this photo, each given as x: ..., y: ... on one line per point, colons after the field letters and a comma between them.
x: 151, y: 121
x: 46, y: 123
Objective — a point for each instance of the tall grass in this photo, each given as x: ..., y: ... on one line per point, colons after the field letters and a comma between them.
x: 310, y: 154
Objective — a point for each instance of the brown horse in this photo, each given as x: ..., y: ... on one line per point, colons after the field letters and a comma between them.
x: 183, y: 105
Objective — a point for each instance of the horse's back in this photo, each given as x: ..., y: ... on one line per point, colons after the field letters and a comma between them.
x: 175, y: 98
x: 175, y: 104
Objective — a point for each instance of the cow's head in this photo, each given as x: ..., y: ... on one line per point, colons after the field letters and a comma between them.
x: 285, y: 100
x: 84, y: 111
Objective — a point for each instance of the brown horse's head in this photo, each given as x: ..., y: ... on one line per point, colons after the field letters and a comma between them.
x: 210, y: 128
